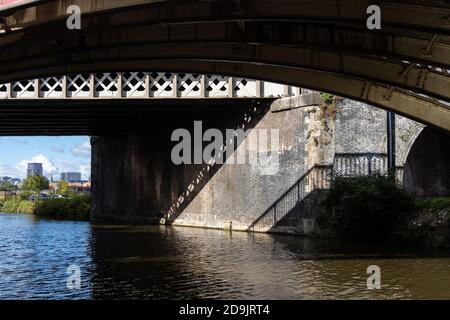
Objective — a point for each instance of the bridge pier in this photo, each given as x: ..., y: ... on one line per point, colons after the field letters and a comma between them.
x: 135, y: 181
x: 134, y: 178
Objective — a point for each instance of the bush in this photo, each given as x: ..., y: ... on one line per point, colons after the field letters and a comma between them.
x: 76, y: 207
x: 369, y: 208
x: 17, y: 206
x: 25, y: 195
x: 10, y: 206
x: 25, y: 207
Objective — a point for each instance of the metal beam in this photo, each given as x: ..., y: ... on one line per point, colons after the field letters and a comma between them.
x: 415, y: 14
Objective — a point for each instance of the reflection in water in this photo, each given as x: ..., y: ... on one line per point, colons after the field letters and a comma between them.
x: 183, y: 263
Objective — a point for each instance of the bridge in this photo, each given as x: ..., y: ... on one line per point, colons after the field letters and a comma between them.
x: 139, y: 69
x: 402, y: 67
x: 100, y: 103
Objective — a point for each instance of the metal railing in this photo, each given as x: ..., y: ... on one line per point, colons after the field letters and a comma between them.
x: 316, y: 178
x: 319, y: 178
x: 120, y: 85
x: 359, y: 164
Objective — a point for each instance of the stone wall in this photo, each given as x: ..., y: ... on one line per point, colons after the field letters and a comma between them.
x: 134, y: 179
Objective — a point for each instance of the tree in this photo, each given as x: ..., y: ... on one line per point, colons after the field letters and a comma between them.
x: 63, y: 188
x: 36, y: 184
x: 7, y: 186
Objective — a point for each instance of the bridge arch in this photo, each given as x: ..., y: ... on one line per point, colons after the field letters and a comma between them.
x: 402, y: 68
x: 408, y: 137
x: 426, y: 169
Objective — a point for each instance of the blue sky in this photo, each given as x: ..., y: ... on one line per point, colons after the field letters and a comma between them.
x: 58, y: 154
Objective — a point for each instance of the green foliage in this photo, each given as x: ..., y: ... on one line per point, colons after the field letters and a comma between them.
x: 10, y: 206
x: 431, y: 225
x: 18, y: 206
x: 327, y: 97
x: 25, y: 195
x: 64, y: 189
x: 369, y: 208
x: 76, y: 207
x: 36, y: 183
x: 434, y: 204
x: 26, y: 207
x: 7, y: 186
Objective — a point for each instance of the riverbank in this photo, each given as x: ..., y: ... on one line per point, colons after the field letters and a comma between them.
x: 376, y: 209
x: 430, y: 224
x: 72, y: 208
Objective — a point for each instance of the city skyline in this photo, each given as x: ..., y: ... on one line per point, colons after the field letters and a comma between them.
x: 57, y: 155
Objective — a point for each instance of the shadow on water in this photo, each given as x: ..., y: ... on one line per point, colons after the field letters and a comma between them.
x: 189, y: 263
x: 186, y: 263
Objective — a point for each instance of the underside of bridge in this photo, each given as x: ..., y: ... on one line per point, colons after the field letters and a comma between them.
x: 104, y: 117
x: 324, y: 46
x: 327, y: 46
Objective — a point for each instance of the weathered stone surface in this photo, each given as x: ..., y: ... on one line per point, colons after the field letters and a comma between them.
x: 134, y: 179
x: 300, y: 101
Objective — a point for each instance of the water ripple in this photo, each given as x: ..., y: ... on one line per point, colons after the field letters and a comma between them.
x: 184, y: 263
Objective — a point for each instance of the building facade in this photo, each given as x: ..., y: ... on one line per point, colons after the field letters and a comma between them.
x: 35, y: 169
x: 71, y: 176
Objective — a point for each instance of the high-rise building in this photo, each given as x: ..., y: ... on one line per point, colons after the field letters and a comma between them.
x: 71, y: 176
x: 35, y: 168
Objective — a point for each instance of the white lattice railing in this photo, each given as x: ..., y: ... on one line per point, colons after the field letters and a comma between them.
x: 143, y: 85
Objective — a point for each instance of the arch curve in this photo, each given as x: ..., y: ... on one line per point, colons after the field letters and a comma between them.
x: 325, y: 47
x: 427, y: 172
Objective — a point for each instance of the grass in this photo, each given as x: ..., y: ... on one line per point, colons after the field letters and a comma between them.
x: 433, y: 203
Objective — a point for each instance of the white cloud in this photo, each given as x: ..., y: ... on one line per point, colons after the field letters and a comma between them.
x: 82, y: 150
x: 8, y: 170
x: 85, y: 170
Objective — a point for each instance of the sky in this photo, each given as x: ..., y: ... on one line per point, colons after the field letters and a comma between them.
x: 57, y: 154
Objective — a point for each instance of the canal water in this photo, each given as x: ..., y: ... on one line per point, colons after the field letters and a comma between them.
x: 185, y: 263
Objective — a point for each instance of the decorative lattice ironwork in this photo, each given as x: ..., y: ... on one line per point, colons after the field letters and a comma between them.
x: 3, y: 91
x: 216, y: 86
x: 161, y: 84
x: 106, y: 84
x: 244, y: 87
x: 78, y: 85
x: 133, y: 84
x: 143, y: 85
x: 51, y: 87
x: 23, y: 89
x: 189, y: 85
